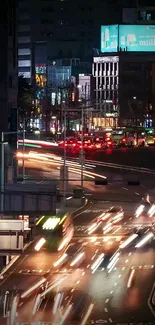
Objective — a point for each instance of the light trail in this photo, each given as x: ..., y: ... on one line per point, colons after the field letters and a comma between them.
x: 34, y: 287
x: 128, y: 241
x: 130, y: 278
x: 151, y: 211
x: 40, y: 243
x: 47, y: 143
x: 145, y: 240
x: 66, y: 314
x: 57, y: 302
x: 61, y: 260
x: 97, y: 263
x: 139, y: 211
x: 88, y: 313
x: 93, y: 227
x: 107, y: 228
x: 77, y: 259
x: 53, y: 285
x: 113, y: 262
x: 13, y: 311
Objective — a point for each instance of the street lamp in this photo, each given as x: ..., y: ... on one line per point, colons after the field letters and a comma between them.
x: 82, y: 140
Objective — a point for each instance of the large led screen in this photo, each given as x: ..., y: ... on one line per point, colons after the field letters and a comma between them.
x: 109, y: 38
x: 137, y: 38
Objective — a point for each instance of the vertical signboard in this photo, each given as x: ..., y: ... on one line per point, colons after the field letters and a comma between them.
x: 109, y: 38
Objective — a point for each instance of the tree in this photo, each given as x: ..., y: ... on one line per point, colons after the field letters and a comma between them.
x: 25, y: 98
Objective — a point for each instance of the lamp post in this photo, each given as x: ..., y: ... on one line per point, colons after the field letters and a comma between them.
x: 64, y: 165
x: 82, y: 151
x: 82, y: 140
x: 23, y: 169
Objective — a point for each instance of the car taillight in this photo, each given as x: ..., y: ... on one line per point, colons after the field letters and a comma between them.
x: 153, y: 138
x: 124, y: 140
x: 109, y: 142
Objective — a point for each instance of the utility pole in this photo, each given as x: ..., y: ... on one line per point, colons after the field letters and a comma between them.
x: 64, y: 166
x: 23, y: 169
x: 2, y: 174
x: 82, y: 151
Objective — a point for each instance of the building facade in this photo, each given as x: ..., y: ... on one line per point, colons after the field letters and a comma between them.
x: 69, y: 29
x: 8, y: 76
x: 124, y: 85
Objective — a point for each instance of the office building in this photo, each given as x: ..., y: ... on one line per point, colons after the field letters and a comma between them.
x: 8, y: 76
x: 124, y: 72
x: 143, y: 13
x: 69, y: 29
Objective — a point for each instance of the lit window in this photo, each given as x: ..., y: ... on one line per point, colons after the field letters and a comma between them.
x: 24, y: 51
x: 26, y: 75
x: 24, y: 63
x: 24, y: 39
x: 148, y: 17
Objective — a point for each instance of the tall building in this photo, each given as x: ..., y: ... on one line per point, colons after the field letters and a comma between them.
x: 67, y: 28
x: 124, y: 72
x: 8, y: 75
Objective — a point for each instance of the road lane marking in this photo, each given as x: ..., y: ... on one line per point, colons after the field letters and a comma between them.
x: 125, y: 188
x: 106, y: 310
x: 107, y: 300
x: 13, y: 271
x: 111, y: 292
x: 110, y: 320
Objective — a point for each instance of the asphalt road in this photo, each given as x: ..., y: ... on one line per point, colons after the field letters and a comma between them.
x: 117, y: 180
x: 140, y: 157
x: 104, y: 294
x: 107, y: 293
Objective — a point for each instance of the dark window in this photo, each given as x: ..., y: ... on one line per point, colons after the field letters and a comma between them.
x: 82, y: 34
x: 10, y: 81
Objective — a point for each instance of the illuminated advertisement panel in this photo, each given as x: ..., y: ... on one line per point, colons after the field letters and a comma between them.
x: 137, y: 38
x: 109, y: 38
x: 132, y: 38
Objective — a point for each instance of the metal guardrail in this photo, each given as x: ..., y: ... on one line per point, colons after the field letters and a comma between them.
x: 117, y: 166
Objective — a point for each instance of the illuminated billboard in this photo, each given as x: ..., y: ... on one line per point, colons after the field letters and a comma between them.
x: 132, y: 38
x: 137, y: 38
x: 109, y: 38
